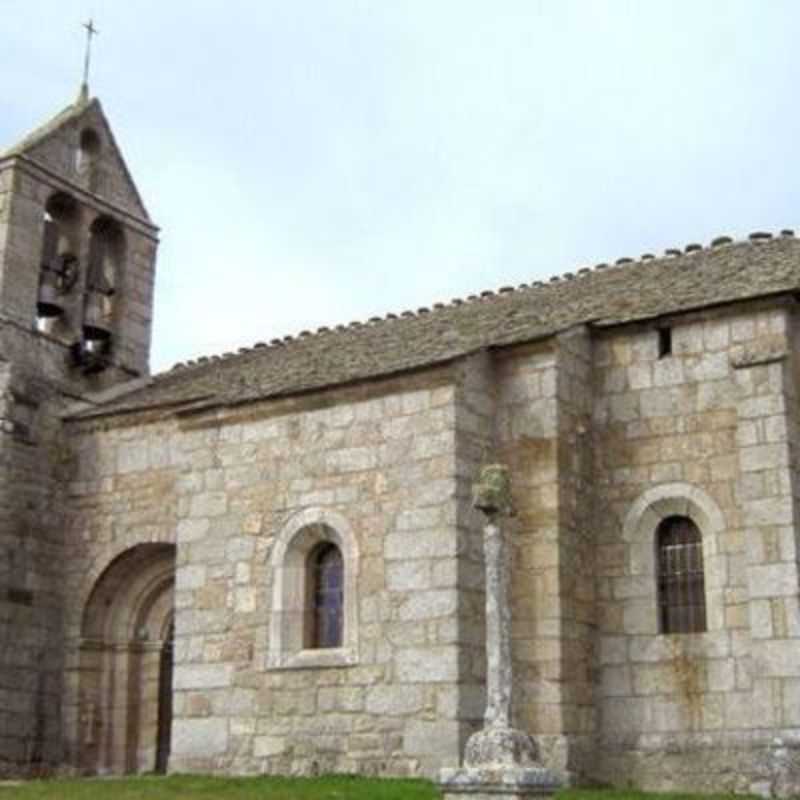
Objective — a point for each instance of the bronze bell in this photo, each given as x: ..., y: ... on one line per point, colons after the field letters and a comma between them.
x: 94, y: 346
x: 96, y: 327
x: 49, y: 305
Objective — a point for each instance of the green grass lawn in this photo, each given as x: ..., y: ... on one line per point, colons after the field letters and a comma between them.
x: 198, y: 787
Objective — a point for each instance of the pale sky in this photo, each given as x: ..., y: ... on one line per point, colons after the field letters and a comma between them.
x: 312, y: 163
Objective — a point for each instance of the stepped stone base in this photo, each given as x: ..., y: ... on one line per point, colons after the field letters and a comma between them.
x: 498, y: 783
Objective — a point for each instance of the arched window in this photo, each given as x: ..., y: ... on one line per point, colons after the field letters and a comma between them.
x: 314, y: 576
x: 681, y: 581
x: 325, y: 581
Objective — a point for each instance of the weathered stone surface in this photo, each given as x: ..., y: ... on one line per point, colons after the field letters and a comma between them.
x: 492, y: 491
x: 498, y: 746
x: 505, y: 783
x: 267, y: 746
x: 203, y: 676
x: 199, y: 738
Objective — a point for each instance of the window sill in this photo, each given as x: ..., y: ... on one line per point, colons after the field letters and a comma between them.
x: 314, y: 659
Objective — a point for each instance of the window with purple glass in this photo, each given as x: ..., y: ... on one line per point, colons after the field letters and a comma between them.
x: 326, y: 582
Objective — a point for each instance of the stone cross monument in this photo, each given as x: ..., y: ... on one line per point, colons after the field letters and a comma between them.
x: 500, y: 762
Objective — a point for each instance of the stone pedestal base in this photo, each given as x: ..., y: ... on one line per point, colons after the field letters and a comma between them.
x: 499, y: 745
x: 497, y: 783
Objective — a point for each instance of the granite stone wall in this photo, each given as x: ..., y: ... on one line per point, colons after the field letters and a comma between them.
x: 542, y: 431
x: 379, y: 462
x: 31, y: 546
x: 576, y: 550
x: 604, y: 437
x: 704, y: 432
x: 526, y: 439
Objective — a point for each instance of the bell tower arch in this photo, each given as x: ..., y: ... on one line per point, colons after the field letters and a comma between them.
x: 77, y: 250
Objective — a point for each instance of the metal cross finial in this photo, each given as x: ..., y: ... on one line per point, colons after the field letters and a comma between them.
x: 90, y: 31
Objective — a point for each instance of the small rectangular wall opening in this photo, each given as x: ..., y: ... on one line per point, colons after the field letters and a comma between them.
x: 664, y: 342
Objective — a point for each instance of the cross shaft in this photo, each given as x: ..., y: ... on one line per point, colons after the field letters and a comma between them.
x: 90, y: 32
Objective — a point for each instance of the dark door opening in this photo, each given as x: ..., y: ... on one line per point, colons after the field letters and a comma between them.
x: 164, y: 703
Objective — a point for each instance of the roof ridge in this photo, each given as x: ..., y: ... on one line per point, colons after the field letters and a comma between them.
x: 624, y: 262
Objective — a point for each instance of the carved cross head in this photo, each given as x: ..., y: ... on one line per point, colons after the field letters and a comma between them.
x: 491, y: 493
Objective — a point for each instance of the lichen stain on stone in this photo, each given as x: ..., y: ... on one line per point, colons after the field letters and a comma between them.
x: 534, y: 450
x: 689, y: 675
x: 534, y: 519
x: 527, y: 452
x: 491, y: 492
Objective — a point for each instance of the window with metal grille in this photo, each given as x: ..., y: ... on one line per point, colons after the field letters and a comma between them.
x: 326, y: 579
x: 681, y: 584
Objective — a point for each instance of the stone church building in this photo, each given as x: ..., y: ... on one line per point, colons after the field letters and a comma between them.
x: 268, y: 561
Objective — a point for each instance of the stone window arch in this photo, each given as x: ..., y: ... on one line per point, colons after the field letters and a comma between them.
x: 641, y: 528
x: 310, y: 540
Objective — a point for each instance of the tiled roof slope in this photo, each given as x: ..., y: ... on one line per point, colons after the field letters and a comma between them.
x: 606, y: 295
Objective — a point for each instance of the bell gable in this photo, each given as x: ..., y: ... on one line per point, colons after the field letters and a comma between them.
x: 79, y: 146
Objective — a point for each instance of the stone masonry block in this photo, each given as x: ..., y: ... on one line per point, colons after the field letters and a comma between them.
x: 439, y: 739
x: 428, y: 604
x: 640, y: 617
x: 613, y: 649
x: 190, y: 577
x: 199, y: 738
x: 769, y: 511
x: 405, y: 576
x: 721, y: 675
x: 427, y: 665
x: 209, y: 504
x: 202, y: 676
x: 421, y: 544
x: 266, y: 746
x: 763, y: 457
x: 761, y: 619
x: 395, y: 700
x: 777, y: 658
x: 791, y: 703
x: 131, y: 457
x: 773, y: 580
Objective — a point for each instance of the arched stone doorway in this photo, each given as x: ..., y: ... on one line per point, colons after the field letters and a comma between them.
x: 126, y: 664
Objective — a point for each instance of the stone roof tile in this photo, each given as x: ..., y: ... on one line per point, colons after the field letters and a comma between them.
x: 628, y: 292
